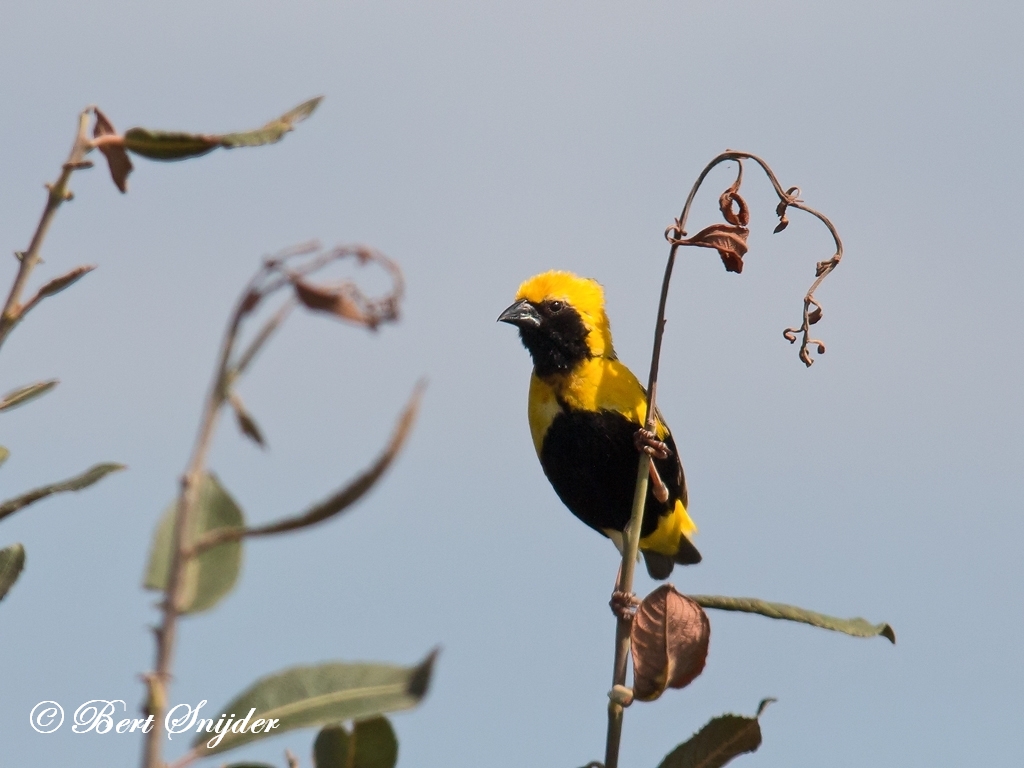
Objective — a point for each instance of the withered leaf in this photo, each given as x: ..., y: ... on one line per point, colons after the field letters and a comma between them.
x: 339, y: 301
x: 345, y: 301
x: 58, y: 284
x: 669, y: 642
x: 730, y: 241
x: 814, y: 316
x: 117, y: 159
x: 741, y: 216
x: 246, y: 423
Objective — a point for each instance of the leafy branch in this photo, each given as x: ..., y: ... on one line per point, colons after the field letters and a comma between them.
x: 196, y: 552
x: 157, y: 145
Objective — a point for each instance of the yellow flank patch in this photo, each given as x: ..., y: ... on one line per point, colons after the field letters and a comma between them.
x: 665, y: 539
x: 586, y: 296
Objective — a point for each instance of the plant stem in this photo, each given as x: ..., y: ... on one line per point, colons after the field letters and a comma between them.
x: 166, y: 633
x: 13, y: 311
x: 631, y: 536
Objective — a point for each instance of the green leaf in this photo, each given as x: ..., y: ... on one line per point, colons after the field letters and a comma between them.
x: 168, y: 145
x: 22, y: 395
x: 211, y: 575
x: 330, y: 750
x: 324, y: 694
x: 12, y: 562
x: 77, y: 483
x: 376, y: 744
x: 718, y: 742
x: 4, y: 454
x: 273, y: 131
x: 373, y: 740
x: 857, y: 627
x: 176, y: 145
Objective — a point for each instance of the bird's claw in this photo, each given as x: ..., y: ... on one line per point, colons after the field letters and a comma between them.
x: 624, y: 604
x: 649, y: 443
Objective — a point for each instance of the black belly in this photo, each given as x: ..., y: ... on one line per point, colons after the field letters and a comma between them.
x: 591, y: 460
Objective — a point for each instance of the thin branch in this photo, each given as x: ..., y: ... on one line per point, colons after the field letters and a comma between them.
x: 245, y: 359
x: 334, y: 504
x: 166, y: 633
x: 272, y: 276
x: 59, y: 193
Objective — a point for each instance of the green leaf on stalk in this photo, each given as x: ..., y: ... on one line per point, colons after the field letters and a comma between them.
x: 168, y: 145
x: 718, y: 742
x: 176, y: 145
x: 22, y: 395
x: 373, y: 744
x: 211, y: 575
x: 273, y: 131
x: 857, y: 627
x: 325, y: 694
x: 12, y: 562
x: 77, y: 483
x: 4, y: 454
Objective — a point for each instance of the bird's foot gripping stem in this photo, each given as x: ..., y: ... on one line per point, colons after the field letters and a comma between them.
x: 624, y: 605
x: 649, y: 443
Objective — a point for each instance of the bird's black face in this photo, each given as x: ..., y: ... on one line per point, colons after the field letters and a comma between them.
x: 552, y: 331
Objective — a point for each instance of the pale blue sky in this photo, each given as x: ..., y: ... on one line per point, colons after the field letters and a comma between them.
x: 478, y: 144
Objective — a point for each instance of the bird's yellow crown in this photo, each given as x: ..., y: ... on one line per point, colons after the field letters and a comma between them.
x: 583, y: 294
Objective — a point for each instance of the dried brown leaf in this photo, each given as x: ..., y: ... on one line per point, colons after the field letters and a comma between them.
x: 669, y: 641
x: 741, y: 216
x: 346, y: 301
x: 814, y: 316
x: 117, y: 158
x: 58, y: 284
x: 246, y: 423
x: 730, y: 241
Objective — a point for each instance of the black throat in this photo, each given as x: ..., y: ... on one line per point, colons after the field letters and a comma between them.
x: 559, y: 344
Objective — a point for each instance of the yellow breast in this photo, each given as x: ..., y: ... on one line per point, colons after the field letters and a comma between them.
x: 596, y: 384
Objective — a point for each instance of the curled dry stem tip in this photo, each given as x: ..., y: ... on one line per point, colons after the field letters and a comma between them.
x: 730, y: 239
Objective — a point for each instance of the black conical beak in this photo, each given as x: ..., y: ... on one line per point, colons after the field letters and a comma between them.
x: 522, y: 314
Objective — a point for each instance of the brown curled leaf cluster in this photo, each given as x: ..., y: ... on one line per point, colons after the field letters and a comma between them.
x: 298, y: 271
x: 669, y: 642
x: 344, y: 298
x: 730, y: 239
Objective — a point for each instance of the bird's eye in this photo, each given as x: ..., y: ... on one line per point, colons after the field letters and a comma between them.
x: 555, y: 306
